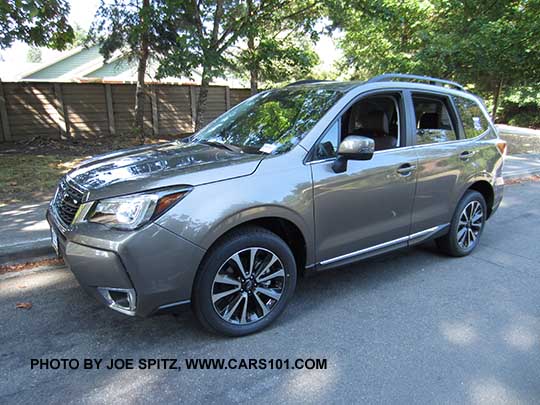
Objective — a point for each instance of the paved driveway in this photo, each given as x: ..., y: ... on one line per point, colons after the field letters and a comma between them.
x: 413, y: 327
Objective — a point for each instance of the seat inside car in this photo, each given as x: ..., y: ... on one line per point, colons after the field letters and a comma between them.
x: 370, y: 118
x: 429, y: 121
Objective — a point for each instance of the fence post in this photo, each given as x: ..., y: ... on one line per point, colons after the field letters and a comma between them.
x: 155, y: 114
x: 110, y: 109
x: 62, y: 111
x: 193, y: 102
x: 227, y: 98
x: 6, y: 131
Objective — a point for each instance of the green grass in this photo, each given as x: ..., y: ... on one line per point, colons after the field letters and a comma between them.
x: 22, y: 176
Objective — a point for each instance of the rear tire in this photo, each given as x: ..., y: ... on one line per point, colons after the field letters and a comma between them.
x: 244, y: 283
x: 466, y: 226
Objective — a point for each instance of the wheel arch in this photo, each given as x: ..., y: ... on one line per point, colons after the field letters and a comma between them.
x: 485, y: 188
x: 283, y: 222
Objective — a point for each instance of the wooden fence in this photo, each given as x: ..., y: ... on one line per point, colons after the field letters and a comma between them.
x: 86, y: 110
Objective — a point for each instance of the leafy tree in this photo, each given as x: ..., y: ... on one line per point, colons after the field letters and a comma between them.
x: 489, y: 44
x: 138, y: 30
x: 33, y: 55
x: 380, y: 36
x: 486, y: 44
x: 280, y: 46
x: 37, y: 23
x: 209, y: 30
x: 80, y: 36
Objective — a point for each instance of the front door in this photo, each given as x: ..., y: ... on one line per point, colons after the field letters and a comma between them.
x: 368, y: 207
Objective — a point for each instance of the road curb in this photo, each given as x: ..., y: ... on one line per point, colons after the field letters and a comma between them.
x: 26, y: 252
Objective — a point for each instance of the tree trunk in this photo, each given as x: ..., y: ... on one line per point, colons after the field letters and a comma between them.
x: 201, y: 102
x: 254, y: 65
x: 253, y: 70
x: 496, y: 97
x: 141, y: 73
x: 254, y: 81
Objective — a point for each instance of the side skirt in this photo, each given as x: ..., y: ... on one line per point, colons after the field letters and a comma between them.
x: 381, y: 248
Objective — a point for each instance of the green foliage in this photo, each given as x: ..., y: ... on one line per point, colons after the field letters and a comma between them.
x: 37, y: 23
x: 279, y: 47
x: 121, y: 25
x: 381, y: 36
x: 279, y: 60
x: 486, y: 44
x: 521, y: 107
x: 80, y: 36
x: 33, y: 55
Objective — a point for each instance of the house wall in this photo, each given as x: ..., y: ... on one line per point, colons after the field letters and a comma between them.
x: 87, y: 110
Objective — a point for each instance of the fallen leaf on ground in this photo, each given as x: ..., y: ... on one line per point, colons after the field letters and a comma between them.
x: 521, y: 180
x: 8, y: 268
x: 24, y: 305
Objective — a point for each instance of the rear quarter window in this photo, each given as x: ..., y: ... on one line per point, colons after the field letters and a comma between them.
x: 473, y: 119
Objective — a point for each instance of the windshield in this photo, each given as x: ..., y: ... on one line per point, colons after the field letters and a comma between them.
x: 271, y: 122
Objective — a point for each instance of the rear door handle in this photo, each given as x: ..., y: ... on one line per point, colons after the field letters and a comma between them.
x: 406, y: 169
x: 466, y: 155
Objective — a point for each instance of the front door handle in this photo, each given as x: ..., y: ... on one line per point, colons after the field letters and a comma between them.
x: 466, y: 155
x: 406, y: 169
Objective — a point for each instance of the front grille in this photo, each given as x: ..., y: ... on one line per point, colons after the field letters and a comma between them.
x: 66, y: 202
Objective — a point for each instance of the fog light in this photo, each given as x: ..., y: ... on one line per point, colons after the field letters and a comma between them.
x: 120, y: 299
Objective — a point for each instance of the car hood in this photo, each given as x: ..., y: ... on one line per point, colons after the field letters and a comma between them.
x: 168, y: 164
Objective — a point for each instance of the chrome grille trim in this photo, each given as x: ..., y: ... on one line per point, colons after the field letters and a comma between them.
x: 66, y: 202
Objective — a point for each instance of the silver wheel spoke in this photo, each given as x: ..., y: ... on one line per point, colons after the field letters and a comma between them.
x: 229, y: 311
x: 262, y: 305
x: 268, y: 292
x: 224, y: 279
x: 267, y: 267
x: 243, y: 318
x: 252, y: 254
x: 477, y: 217
x: 473, y: 235
x: 461, y: 234
x: 278, y: 273
x: 217, y: 297
x: 236, y: 259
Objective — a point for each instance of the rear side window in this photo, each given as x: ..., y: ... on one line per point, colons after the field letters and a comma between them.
x: 433, y: 121
x: 473, y: 119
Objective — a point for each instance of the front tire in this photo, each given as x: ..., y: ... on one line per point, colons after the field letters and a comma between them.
x: 466, y: 226
x: 244, y: 283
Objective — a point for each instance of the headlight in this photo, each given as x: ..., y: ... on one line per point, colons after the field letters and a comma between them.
x: 131, y: 211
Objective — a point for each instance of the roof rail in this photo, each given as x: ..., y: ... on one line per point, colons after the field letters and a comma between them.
x: 431, y: 80
x: 306, y: 81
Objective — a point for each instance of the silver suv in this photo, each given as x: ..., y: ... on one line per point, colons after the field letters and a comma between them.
x: 293, y: 180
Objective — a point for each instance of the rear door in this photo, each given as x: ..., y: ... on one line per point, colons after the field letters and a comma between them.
x: 438, y: 148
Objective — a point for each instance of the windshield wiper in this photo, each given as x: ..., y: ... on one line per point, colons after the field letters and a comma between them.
x: 221, y: 145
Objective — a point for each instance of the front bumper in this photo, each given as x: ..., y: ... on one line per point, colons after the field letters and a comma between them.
x: 156, y: 265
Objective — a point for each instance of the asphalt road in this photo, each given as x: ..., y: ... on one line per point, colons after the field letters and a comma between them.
x: 412, y: 327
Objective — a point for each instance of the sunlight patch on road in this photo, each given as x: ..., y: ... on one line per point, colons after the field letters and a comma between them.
x: 25, y: 285
x: 311, y: 385
x: 492, y: 392
x: 459, y: 333
x: 38, y: 226
x: 523, y: 334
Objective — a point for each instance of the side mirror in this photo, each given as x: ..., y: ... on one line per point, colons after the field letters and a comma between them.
x: 353, y: 147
